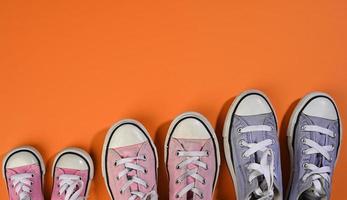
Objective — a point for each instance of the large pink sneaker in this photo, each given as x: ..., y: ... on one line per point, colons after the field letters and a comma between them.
x: 130, y: 162
x: 23, y: 170
x: 72, y: 173
x: 192, y: 158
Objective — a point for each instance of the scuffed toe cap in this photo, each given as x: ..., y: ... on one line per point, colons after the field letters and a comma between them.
x: 72, y: 161
x: 126, y: 135
x: 253, y: 104
x: 321, y: 107
x: 20, y: 159
x: 191, y: 128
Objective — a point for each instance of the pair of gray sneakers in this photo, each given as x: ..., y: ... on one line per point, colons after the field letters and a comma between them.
x: 253, y: 154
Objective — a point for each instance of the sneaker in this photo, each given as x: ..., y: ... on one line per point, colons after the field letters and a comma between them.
x: 192, y: 158
x: 72, y: 173
x: 130, y: 162
x: 251, y: 147
x: 23, y: 169
x: 314, y: 138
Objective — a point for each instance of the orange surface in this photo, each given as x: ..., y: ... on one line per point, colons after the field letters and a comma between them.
x: 69, y: 69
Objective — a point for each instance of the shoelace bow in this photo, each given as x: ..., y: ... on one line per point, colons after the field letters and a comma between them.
x: 71, y: 186
x: 265, y: 167
x: 192, y: 157
x: 129, y: 166
x: 22, y: 185
x: 317, y: 174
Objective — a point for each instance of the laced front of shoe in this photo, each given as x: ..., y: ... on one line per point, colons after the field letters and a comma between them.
x: 131, y: 169
x: 263, y: 172
x: 316, y: 172
x: 70, y: 187
x: 22, y: 184
x: 191, y: 163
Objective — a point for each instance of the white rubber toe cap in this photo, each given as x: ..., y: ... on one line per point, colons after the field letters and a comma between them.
x: 20, y: 159
x: 127, y: 135
x: 191, y: 128
x: 321, y: 107
x: 72, y: 161
x: 253, y: 104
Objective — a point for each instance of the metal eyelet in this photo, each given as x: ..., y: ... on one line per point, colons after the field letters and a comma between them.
x: 144, y: 157
x: 204, y: 181
x: 177, y: 196
x: 304, y: 165
x: 177, y: 167
x: 241, y: 143
x: 208, y: 153
x: 145, y: 171
x: 303, y: 140
x: 177, y: 153
x: 202, y: 196
x: 239, y: 130
x: 177, y: 181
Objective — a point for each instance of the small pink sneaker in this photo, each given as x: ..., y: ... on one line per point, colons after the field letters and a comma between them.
x: 23, y: 170
x: 192, y: 158
x: 72, y: 173
x: 130, y: 162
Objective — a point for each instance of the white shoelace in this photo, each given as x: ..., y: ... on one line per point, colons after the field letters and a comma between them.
x: 317, y: 174
x: 192, y: 157
x: 266, y: 166
x: 71, y: 186
x: 22, y: 185
x: 130, y: 166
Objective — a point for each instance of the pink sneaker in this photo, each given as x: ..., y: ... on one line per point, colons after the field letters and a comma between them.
x: 72, y: 173
x: 23, y: 170
x: 192, y: 158
x: 130, y: 162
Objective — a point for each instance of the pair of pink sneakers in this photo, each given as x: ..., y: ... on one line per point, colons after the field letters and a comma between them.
x: 192, y: 158
x: 23, y: 169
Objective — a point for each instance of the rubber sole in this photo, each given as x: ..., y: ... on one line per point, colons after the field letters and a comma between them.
x: 108, y: 138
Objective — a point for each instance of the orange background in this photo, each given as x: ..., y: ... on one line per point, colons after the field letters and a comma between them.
x: 69, y: 69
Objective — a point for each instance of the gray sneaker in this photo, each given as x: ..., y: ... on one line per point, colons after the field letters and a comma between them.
x: 314, y: 138
x: 251, y: 147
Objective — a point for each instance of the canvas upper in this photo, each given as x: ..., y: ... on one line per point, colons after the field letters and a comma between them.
x: 252, y: 147
x: 72, y: 173
x: 23, y: 171
x: 130, y: 164
x: 192, y: 158
x: 315, y: 145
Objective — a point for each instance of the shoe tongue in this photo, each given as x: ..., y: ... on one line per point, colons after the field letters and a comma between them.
x: 192, y: 144
x: 129, y: 151
x: 254, y: 120
x: 309, y: 195
x: 321, y: 139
